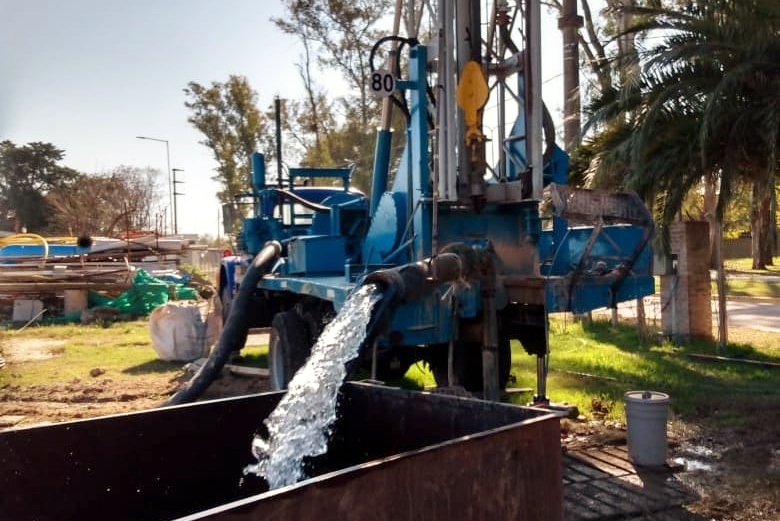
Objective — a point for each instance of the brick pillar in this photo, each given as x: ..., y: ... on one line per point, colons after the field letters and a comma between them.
x: 686, y: 295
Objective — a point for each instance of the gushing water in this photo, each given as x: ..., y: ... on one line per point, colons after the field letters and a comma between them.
x: 300, y: 425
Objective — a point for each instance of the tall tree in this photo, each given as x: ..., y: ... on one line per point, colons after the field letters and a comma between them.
x: 340, y: 35
x: 233, y: 127
x: 27, y: 174
x: 344, y: 33
x: 704, y: 105
x: 125, y: 199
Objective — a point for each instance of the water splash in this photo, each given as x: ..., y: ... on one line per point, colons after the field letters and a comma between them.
x: 696, y: 458
x: 300, y: 425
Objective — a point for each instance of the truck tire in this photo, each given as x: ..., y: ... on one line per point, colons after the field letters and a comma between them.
x: 288, y: 347
x: 226, y: 299
x: 467, y: 364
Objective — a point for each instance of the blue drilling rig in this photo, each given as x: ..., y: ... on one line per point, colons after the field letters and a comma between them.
x: 474, y: 228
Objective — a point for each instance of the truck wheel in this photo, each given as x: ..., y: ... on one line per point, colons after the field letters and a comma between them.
x: 467, y: 364
x: 225, y: 297
x: 288, y: 348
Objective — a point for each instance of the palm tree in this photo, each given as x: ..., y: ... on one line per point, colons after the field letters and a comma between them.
x: 704, y: 103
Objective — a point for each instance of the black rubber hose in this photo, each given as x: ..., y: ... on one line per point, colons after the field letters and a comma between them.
x: 234, y: 333
x: 404, y: 284
x: 287, y: 194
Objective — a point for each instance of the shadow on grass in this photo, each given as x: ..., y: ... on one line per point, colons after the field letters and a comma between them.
x: 696, y: 387
x: 152, y: 366
x: 751, y: 287
x: 626, y: 337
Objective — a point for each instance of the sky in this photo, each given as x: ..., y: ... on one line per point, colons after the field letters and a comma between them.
x: 89, y: 76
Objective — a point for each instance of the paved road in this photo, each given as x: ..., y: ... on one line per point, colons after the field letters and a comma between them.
x: 752, y: 313
x: 761, y: 314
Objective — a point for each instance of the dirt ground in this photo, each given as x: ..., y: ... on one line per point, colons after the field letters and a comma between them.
x: 734, y: 471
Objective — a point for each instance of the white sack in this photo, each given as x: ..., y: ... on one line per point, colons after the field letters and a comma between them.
x: 184, y: 330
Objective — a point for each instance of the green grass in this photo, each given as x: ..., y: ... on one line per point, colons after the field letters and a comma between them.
x: 122, y: 349
x: 743, y: 281
x: 255, y: 356
x: 745, y: 265
x: 750, y: 287
x: 591, y: 365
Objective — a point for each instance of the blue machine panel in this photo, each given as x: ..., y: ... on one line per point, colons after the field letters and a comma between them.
x: 316, y: 254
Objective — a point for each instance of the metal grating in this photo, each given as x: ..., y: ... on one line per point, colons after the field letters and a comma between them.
x: 602, y: 484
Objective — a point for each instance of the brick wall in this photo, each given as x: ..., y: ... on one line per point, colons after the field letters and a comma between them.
x: 686, y: 296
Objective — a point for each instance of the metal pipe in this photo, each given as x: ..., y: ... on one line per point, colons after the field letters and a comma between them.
x: 502, y: 14
x: 462, y: 53
x: 384, y: 135
x: 387, y: 103
x: 448, y: 120
x: 410, y: 280
x: 278, y: 121
x: 569, y: 23
x: 234, y: 334
x: 403, y: 284
x: 541, y: 381
x: 533, y: 92
x: 258, y: 172
x: 381, y: 168
x: 490, y: 387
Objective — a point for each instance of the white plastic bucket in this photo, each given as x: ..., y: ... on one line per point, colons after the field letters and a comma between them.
x: 646, y: 413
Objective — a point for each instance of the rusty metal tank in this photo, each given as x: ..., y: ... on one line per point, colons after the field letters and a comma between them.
x: 394, y: 455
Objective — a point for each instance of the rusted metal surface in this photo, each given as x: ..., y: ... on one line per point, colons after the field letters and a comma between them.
x: 394, y: 455
x: 153, y: 465
x: 602, y: 484
x: 590, y: 206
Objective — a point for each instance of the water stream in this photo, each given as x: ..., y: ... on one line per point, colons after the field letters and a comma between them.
x: 301, y: 423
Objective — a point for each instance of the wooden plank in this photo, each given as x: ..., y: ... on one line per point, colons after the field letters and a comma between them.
x: 602, y: 484
x: 603, y: 464
x: 578, y: 470
x: 247, y: 371
x: 32, y: 287
x: 615, y: 457
x: 585, y: 501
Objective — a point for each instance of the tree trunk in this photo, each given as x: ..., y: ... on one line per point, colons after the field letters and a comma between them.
x: 723, y: 334
x: 709, y: 206
x: 641, y: 318
x: 761, y: 248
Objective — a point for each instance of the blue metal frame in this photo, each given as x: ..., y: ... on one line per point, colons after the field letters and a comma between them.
x: 400, y: 231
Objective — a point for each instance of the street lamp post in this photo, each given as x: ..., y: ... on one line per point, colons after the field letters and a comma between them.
x: 170, y: 183
x: 175, y: 193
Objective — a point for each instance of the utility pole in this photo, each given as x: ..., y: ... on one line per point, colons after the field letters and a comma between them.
x: 569, y: 24
x: 175, y: 194
x: 168, y: 160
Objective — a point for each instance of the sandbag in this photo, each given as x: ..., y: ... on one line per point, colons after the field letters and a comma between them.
x: 185, y: 330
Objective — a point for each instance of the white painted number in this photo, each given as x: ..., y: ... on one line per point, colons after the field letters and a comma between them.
x: 382, y: 83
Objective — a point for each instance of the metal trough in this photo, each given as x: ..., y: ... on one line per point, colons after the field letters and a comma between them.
x: 394, y: 455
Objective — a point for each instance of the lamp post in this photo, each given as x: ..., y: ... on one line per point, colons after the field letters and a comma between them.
x: 175, y: 193
x: 170, y: 184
